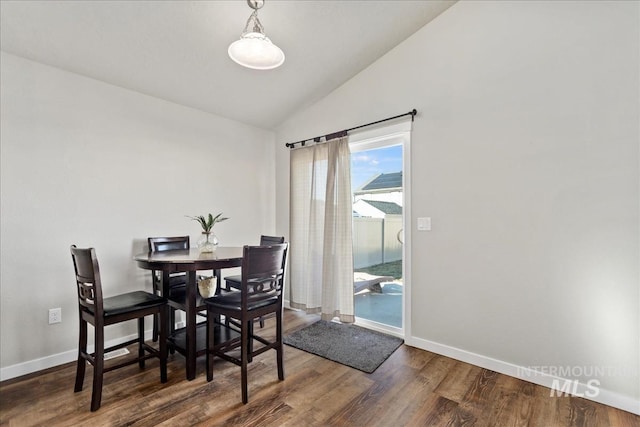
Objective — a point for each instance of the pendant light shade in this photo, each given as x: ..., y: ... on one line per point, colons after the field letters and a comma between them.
x: 254, y: 49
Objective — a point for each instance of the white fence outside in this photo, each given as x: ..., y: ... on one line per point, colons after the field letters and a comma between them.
x: 376, y: 240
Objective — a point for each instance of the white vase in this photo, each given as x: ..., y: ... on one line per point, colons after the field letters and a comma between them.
x: 207, y: 242
x: 207, y: 287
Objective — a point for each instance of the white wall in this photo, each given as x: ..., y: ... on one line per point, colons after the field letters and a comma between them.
x: 525, y: 156
x: 87, y: 163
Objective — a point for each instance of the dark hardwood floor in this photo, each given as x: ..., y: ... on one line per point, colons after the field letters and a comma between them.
x: 412, y: 388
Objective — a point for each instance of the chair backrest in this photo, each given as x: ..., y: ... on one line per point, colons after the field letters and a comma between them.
x: 263, y: 273
x: 160, y: 244
x: 268, y: 240
x: 89, y: 284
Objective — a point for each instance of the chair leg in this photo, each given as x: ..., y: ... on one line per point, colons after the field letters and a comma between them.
x: 141, y: 342
x: 250, y: 341
x: 156, y: 320
x: 172, y: 319
x: 244, y: 347
x: 210, y: 344
x: 156, y: 317
x: 82, y: 363
x: 163, y: 315
x: 279, y: 347
x: 171, y: 323
x: 98, y: 368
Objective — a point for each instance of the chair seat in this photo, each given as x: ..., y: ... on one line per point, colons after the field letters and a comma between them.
x: 177, y: 283
x: 179, y: 296
x: 177, y: 291
x: 232, y: 301
x: 233, y: 281
x: 131, y: 301
x: 177, y: 280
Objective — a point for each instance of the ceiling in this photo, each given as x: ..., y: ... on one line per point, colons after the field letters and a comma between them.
x: 177, y: 50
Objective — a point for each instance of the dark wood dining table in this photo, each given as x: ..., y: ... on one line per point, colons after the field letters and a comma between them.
x: 189, y: 262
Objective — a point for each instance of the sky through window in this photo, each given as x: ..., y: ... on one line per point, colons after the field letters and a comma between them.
x: 367, y: 164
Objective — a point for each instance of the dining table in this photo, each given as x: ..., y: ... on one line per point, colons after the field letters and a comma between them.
x: 187, y: 340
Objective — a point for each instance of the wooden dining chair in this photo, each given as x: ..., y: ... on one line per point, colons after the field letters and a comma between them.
x: 177, y: 281
x: 99, y: 311
x: 233, y: 282
x: 261, y: 294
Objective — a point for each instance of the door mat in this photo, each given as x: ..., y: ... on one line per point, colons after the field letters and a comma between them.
x: 350, y: 345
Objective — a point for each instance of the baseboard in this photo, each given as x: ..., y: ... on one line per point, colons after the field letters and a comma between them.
x: 47, y: 362
x: 54, y: 360
x: 538, y: 377
x: 544, y: 379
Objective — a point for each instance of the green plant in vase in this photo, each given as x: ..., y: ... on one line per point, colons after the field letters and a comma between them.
x: 208, y: 240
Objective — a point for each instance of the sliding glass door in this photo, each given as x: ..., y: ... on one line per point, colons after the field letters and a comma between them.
x: 377, y: 169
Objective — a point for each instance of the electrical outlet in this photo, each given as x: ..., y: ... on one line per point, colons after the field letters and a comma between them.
x: 55, y: 315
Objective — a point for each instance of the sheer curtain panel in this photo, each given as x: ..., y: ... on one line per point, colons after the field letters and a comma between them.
x: 321, y: 254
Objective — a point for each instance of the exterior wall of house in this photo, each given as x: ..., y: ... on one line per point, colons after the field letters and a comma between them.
x: 525, y: 154
x: 87, y: 163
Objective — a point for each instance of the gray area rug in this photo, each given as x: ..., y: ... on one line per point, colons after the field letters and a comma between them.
x: 350, y: 345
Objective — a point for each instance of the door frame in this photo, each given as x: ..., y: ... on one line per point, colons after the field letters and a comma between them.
x: 379, y: 137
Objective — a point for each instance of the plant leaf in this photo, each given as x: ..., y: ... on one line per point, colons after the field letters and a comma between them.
x: 208, y: 222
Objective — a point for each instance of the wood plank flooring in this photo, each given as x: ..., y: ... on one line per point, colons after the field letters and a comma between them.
x: 412, y: 388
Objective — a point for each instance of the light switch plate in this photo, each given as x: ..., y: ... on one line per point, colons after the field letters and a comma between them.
x: 424, y: 224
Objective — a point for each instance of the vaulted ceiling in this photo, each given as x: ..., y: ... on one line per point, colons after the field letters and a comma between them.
x: 177, y: 50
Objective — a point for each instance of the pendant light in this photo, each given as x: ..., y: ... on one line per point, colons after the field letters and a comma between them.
x: 254, y: 49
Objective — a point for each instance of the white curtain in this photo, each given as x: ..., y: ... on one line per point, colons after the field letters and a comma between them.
x: 321, y: 255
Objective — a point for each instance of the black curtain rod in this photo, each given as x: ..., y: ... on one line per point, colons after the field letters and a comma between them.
x: 412, y: 113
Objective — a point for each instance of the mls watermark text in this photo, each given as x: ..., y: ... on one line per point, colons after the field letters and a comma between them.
x: 565, y: 380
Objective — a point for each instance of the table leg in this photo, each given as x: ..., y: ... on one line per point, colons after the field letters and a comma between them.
x: 218, y: 281
x: 164, y: 289
x: 191, y: 349
x: 217, y: 272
